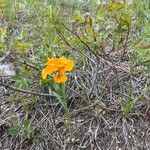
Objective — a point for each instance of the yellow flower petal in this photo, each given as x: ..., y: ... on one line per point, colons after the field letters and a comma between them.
x: 66, y: 64
x: 52, y: 61
x: 60, y: 78
x: 69, y: 65
x: 62, y: 70
x: 52, y: 65
x: 44, y: 74
x: 51, y: 69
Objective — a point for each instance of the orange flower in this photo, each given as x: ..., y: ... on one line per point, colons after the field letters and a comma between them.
x: 60, y: 78
x: 58, y: 66
x: 65, y: 65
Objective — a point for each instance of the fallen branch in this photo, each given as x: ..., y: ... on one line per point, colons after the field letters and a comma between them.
x: 26, y: 91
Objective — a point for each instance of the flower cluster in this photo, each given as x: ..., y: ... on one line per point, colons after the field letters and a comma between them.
x: 58, y: 66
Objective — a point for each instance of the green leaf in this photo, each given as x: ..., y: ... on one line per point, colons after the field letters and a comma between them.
x: 21, y: 47
x: 26, y: 124
x: 128, y: 105
x: 101, y: 11
x: 145, y: 53
x: 125, y: 20
x: 3, y: 33
x: 145, y: 46
x: 57, y: 88
x: 78, y: 18
x: 21, y: 82
x: 61, y: 100
x: 14, y: 131
x: 115, y: 6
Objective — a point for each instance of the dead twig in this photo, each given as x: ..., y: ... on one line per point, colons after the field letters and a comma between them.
x: 94, y: 80
x: 91, y: 51
x: 72, y: 47
x: 97, y: 103
x: 28, y: 64
x: 84, y: 43
x: 25, y: 91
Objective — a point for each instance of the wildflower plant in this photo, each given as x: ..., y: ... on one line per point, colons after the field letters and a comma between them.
x: 58, y: 67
